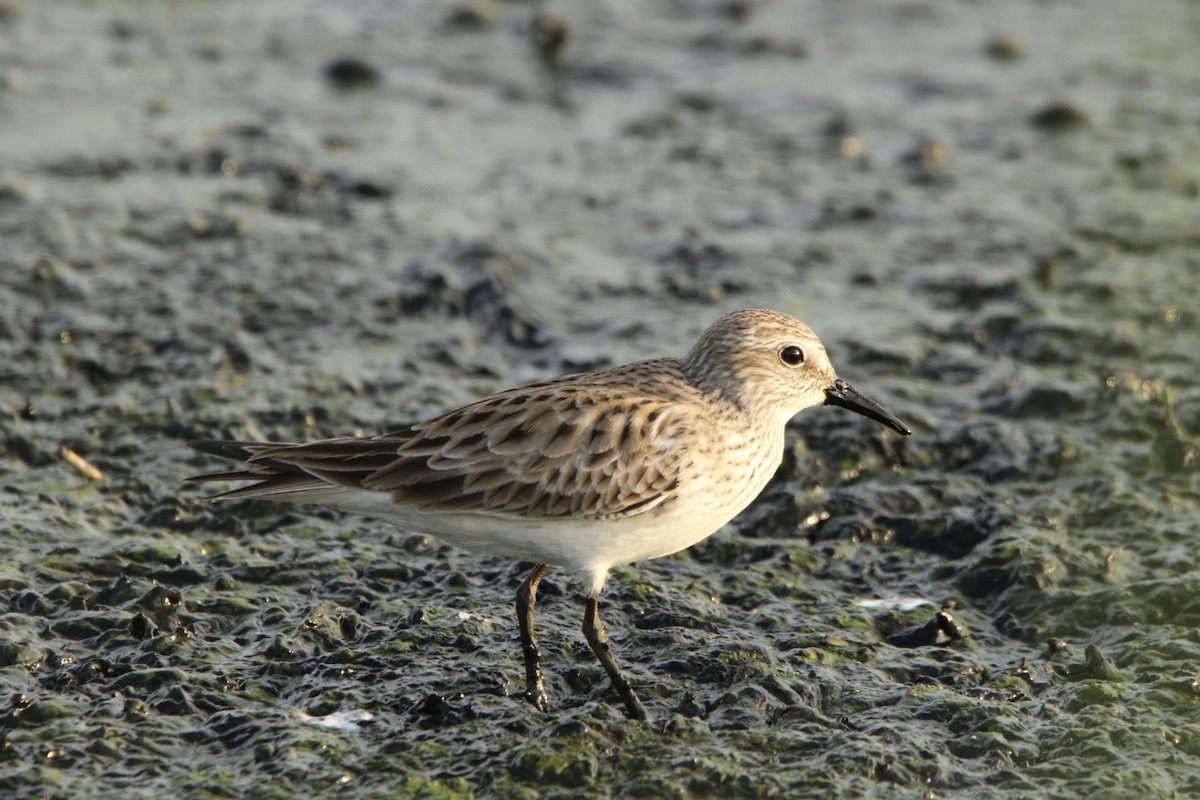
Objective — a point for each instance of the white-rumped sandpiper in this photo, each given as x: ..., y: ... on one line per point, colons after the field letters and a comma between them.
x: 587, y: 471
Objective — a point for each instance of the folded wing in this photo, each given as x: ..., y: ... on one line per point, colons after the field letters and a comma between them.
x: 548, y: 450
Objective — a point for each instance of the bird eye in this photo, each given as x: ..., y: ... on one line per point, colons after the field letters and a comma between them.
x: 791, y: 355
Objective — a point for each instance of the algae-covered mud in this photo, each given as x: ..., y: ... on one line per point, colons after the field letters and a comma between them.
x: 292, y: 220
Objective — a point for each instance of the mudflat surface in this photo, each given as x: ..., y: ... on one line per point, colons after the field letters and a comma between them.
x: 292, y: 220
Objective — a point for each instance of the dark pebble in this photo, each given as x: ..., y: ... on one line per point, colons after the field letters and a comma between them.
x: 1004, y: 48
x: 351, y: 73
x: 1057, y: 117
x: 550, y: 35
x: 937, y: 631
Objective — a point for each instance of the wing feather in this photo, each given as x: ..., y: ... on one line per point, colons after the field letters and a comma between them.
x: 568, y: 447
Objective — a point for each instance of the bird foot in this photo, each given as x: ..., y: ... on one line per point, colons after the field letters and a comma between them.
x: 537, y: 698
x: 635, y: 708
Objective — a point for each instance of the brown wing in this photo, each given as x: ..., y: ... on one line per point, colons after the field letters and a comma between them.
x: 554, y: 449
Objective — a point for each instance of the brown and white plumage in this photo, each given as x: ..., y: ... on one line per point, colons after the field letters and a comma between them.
x: 586, y: 471
x: 568, y: 448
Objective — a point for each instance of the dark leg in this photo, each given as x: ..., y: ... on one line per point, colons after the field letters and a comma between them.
x: 597, y: 637
x: 535, y: 688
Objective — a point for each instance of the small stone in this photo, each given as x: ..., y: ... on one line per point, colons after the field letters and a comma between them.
x: 550, y: 35
x: 351, y: 73
x: 472, y: 16
x: 1004, y: 48
x: 1057, y: 117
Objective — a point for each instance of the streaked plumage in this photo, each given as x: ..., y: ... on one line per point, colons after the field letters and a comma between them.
x: 586, y: 471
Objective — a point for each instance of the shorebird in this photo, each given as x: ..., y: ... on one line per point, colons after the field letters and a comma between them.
x: 586, y: 472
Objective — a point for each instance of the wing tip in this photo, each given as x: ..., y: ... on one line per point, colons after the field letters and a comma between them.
x: 236, y: 449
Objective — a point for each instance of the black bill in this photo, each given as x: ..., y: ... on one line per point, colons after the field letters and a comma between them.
x: 844, y: 395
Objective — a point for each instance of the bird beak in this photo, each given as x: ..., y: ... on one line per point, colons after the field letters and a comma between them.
x: 844, y: 395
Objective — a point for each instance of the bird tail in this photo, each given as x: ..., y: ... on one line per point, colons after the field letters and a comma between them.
x: 272, y: 478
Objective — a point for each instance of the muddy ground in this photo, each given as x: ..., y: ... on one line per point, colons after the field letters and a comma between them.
x: 298, y: 219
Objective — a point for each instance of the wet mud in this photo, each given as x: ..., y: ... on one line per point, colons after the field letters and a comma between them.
x: 294, y: 220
